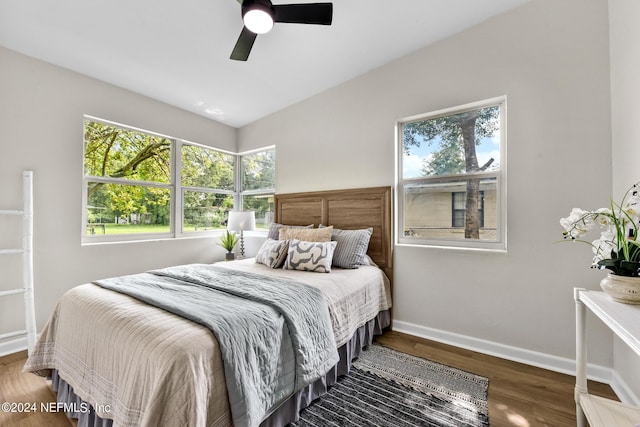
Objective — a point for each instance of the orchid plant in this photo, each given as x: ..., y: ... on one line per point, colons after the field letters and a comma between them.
x: 617, y: 248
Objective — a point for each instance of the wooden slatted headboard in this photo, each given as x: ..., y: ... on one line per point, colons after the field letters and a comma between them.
x: 348, y: 210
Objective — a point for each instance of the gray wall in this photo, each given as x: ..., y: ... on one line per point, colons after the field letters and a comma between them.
x: 551, y: 59
x: 41, y: 111
x: 624, y: 16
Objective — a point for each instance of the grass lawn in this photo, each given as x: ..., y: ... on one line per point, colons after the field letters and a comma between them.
x: 143, y: 228
x: 98, y: 229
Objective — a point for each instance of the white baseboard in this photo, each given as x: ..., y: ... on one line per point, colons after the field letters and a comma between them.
x: 516, y: 354
x: 13, y: 346
x: 542, y: 360
x: 623, y: 391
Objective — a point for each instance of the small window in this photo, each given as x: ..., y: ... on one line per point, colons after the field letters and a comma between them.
x: 208, y: 185
x: 451, y: 177
x: 459, y: 211
x: 205, y: 167
x: 258, y: 185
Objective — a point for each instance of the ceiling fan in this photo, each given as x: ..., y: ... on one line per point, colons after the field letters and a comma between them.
x: 259, y: 16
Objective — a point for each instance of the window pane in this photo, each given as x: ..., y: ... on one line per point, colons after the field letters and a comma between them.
x: 437, y: 146
x: 258, y: 170
x: 205, y: 211
x: 459, y: 200
x: 458, y: 218
x: 117, y: 152
x: 263, y: 206
x: 127, y: 209
x: 429, y: 212
x: 207, y: 168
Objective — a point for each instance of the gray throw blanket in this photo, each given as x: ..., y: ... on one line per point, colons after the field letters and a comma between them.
x: 275, y: 335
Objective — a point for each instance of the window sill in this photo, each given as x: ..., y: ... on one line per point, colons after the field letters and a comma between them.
x: 453, y: 248
x: 96, y: 241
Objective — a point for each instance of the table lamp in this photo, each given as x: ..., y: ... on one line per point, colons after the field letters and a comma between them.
x: 241, y: 221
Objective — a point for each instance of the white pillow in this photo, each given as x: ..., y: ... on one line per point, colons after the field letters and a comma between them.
x: 310, y: 256
x: 272, y: 253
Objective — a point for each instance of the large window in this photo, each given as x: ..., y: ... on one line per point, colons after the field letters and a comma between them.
x: 141, y: 185
x: 128, y: 177
x: 451, y: 177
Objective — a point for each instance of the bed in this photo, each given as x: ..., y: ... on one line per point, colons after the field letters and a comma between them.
x: 116, y: 360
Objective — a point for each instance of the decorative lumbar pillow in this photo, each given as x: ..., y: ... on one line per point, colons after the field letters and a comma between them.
x: 308, y: 235
x: 310, y: 256
x: 352, y: 247
x: 272, y: 253
x: 274, y: 229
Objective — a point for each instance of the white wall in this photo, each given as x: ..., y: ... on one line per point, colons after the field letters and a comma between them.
x: 551, y: 59
x: 624, y: 16
x: 41, y: 113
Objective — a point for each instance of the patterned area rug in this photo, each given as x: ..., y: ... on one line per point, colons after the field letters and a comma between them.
x: 389, y: 388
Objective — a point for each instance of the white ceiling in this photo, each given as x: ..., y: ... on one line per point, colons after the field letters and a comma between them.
x: 178, y: 51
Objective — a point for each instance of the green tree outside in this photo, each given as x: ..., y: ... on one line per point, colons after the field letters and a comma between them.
x: 459, y: 135
x: 140, y: 196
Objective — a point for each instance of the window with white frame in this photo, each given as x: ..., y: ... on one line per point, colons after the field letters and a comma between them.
x: 459, y: 209
x: 207, y: 181
x: 258, y: 185
x: 140, y: 185
x: 451, y: 177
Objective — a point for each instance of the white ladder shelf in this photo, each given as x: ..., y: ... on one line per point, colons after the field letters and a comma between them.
x: 27, y: 262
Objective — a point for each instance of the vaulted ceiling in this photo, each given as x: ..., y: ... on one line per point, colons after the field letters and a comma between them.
x: 178, y: 51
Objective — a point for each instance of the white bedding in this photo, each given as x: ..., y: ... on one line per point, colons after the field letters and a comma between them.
x: 142, y: 366
x: 354, y: 296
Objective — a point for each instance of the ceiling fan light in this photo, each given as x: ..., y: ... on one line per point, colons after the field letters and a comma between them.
x: 258, y: 21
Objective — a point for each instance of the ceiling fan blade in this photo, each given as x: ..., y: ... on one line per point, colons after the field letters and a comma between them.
x: 304, y: 13
x: 243, y: 45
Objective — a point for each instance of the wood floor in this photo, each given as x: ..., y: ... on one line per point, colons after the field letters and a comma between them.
x: 26, y: 388
x: 519, y: 395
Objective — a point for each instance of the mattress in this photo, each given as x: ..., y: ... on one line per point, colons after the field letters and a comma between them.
x: 139, y: 365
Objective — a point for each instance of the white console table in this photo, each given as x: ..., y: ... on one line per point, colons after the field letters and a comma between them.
x: 624, y: 321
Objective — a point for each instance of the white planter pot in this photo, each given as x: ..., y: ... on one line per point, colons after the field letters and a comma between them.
x: 622, y: 288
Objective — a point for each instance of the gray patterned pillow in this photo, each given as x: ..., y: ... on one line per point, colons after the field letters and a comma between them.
x: 351, y: 248
x: 351, y: 251
x: 272, y: 253
x: 274, y: 229
x: 310, y: 256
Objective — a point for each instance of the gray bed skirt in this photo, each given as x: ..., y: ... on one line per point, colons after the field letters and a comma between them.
x: 284, y: 414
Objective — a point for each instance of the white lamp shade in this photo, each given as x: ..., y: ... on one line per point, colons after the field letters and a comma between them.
x: 241, y: 221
